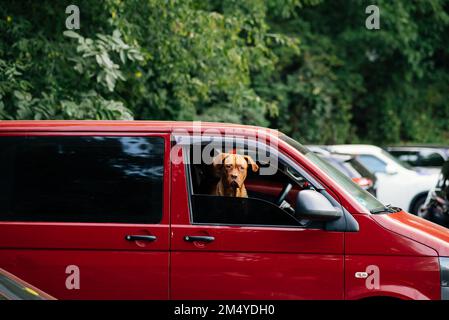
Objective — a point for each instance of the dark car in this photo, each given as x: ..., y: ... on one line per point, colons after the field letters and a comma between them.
x: 13, y: 288
x: 436, y: 207
x: 351, y: 167
x: 421, y: 156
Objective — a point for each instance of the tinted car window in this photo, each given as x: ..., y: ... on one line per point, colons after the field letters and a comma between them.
x: 424, y: 158
x: 411, y: 157
x: 372, y: 163
x: 431, y: 160
x: 81, y: 179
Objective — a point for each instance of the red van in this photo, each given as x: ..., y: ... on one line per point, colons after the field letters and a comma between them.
x: 122, y: 210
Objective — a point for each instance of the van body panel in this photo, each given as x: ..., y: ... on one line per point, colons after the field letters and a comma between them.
x: 208, y: 275
x: 402, y: 277
x: 418, y: 229
x: 103, y: 274
x: 396, y: 266
x: 384, y: 243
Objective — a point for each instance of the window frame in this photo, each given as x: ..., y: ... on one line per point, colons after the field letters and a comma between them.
x: 165, y: 210
x: 187, y: 142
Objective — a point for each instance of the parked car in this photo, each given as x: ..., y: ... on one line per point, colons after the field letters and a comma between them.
x: 13, y: 288
x: 354, y: 169
x: 421, y: 156
x: 397, y: 183
x: 121, y: 210
x: 436, y: 207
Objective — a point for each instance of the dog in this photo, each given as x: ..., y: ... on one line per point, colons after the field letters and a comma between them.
x: 232, y: 169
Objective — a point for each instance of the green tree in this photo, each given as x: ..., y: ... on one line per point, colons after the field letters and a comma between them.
x: 308, y: 67
x: 378, y: 86
x: 150, y: 59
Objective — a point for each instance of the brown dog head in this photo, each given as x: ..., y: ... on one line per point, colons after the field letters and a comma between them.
x: 233, y: 168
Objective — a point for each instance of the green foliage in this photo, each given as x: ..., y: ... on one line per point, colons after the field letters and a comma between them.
x: 200, y: 58
x: 96, y: 54
x: 46, y: 75
x: 350, y: 84
x: 307, y: 67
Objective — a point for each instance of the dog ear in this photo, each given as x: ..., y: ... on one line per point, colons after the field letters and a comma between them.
x: 217, y: 161
x: 251, y: 162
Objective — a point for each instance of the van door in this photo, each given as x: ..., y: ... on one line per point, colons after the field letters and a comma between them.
x: 86, y: 216
x: 248, y: 248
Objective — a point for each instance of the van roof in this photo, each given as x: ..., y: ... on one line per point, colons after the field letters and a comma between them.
x: 118, y: 125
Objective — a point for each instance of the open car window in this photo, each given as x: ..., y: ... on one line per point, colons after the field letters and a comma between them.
x: 260, y: 207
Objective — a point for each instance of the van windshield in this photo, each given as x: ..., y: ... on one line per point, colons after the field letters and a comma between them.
x: 361, y: 196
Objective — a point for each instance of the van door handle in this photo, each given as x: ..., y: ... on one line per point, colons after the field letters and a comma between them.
x: 199, y: 238
x: 140, y: 238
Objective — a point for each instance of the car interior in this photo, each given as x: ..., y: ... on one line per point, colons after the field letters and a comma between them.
x: 280, y: 188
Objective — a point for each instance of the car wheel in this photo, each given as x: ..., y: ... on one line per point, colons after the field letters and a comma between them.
x: 417, y: 207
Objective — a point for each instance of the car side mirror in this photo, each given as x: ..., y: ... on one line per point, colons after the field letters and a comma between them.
x: 312, y: 205
x: 391, y: 170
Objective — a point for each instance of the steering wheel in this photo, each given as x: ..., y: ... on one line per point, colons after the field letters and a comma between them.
x: 284, y: 193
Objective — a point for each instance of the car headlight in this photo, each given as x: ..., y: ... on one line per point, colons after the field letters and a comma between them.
x: 444, y: 278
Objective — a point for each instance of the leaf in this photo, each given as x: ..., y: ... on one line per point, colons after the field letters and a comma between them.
x: 110, y: 81
x: 122, y: 56
x: 71, y: 34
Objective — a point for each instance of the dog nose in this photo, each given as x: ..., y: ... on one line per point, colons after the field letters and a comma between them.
x: 234, y: 176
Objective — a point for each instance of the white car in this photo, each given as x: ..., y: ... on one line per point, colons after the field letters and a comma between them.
x: 397, y: 184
